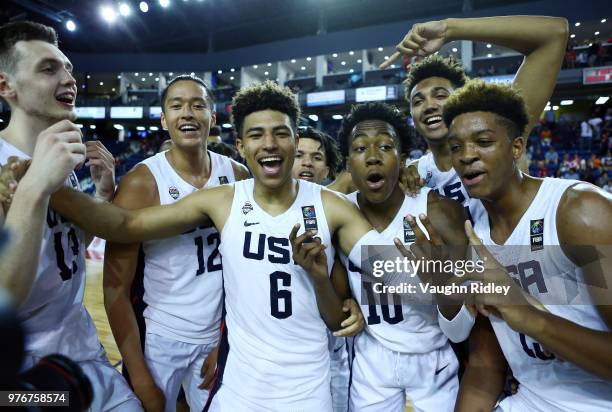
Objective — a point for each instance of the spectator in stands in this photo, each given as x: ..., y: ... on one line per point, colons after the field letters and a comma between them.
x: 570, y: 57
x: 537, y: 154
x: 542, y: 171
x: 552, y: 157
x: 586, y: 135
x: 596, y: 123
x: 565, y: 164
x: 594, y: 50
x: 215, y: 135
x: 607, y: 186
x: 582, y: 59
x: 571, y: 174
x: 545, y: 136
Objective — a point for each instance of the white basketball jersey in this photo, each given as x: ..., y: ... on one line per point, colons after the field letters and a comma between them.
x: 183, y: 285
x: 278, y: 348
x: 547, y: 384
x: 407, y: 328
x: 53, y: 314
x: 448, y: 184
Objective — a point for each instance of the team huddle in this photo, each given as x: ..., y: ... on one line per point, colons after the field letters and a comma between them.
x: 253, y: 276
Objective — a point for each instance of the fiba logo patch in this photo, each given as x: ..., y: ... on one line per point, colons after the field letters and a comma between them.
x: 173, y: 192
x: 247, y: 207
x: 73, y: 181
x: 536, y: 233
x: 409, y: 236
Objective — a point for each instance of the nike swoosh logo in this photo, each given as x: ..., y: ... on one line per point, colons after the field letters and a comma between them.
x: 247, y: 224
x: 441, y: 369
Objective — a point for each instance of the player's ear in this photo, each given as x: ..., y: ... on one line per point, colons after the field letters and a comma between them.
x: 240, y: 148
x: 162, y: 117
x: 213, y: 119
x: 518, y: 147
x: 7, y: 92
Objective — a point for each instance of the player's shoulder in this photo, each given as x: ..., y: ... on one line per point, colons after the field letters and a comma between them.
x: 241, y: 172
x: 334, y: 198
x: 584, y: 210
x: 137, y: 188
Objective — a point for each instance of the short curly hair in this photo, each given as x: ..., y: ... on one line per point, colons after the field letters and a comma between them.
x: 435, y: 66
x: 264, y: 96
x: 479, y: 96
x: 329, y: 145
x: 375, y: 111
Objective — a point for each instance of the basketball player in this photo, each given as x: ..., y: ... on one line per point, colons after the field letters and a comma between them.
x: 37, y: 83
x: 277, y: 313
x: 317, y: 159
x: 403, y: 351
x: 555, y: 220
x: 182, y: 275
x: 429, y: 83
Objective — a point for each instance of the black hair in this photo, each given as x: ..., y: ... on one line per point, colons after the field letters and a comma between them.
x: 329, y: 145
x: 264, y: 96
x: 435, y: 66
x: 375, y: 111
x: 187, y: 77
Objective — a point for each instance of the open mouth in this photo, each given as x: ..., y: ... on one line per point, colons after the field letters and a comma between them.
x: 433, y: 122
x: 66, y: 99
x: 473, y: 177
x: 375, y: 180
x: 306, y: 175
x: 271, y: 165
x: 189, y: 128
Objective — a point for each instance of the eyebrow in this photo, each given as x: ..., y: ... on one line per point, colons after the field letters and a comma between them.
x: 433, y: 90
x: 381, y: 131
x: 52, y: 60
x: 477, y: 133
x: 178, y: 98
x: 274, y: 129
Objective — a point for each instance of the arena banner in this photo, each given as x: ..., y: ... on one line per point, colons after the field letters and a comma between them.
x: 597, y: 75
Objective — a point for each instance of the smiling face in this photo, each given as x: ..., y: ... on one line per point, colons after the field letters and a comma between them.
x: 427, y: 100
x: 483, y: 153
x: 374, y: 159
x: 187, y: 115
x: 268, y: 146
x: 42, y: 85
x: 310, y: 162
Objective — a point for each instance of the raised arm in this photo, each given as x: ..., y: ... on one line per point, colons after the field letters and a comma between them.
x: 57, y: 152
x: 541, y: 39
x: 124, y: 226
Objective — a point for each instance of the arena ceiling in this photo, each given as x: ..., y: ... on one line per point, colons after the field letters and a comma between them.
x: 186, y: 26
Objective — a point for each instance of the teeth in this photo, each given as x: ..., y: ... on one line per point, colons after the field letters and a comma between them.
x: 270, y: 159
x: 187, y: 128
x: 308, y: 174
x: 66, y: 97
x: 433, y: 119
